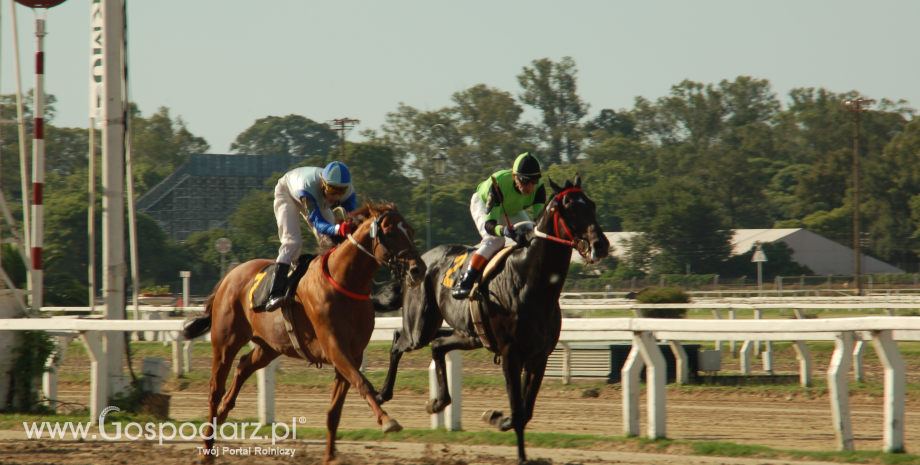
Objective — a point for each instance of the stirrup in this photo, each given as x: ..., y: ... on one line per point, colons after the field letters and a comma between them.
x: 275, y: 303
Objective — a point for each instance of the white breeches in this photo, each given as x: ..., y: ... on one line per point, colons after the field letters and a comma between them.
x: 287, y: 213
x: 491, y: 244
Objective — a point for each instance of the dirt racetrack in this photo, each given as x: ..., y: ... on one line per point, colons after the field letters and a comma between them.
x: 781, y: 422
x: 18, y: 452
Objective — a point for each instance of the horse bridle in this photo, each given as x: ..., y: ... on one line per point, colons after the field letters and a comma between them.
x: 393, y: 261
x: 576, y: 242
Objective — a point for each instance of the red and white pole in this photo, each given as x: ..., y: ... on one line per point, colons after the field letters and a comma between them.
x: 38, y: 166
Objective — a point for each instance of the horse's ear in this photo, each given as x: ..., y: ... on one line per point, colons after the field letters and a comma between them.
x: 553, y: 185
x: 577, y: 180
x: 568, y: 184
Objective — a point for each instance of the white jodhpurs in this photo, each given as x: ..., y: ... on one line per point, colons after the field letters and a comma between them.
x: 287, y: 213
x: 491, y: 244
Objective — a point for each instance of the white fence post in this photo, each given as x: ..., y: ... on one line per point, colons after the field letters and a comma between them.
x: 895, y: 384
x: 731, y: 344
x: 566, y: 363
x: 266, y: 383
x: 745, y: 355
x: 437, y: 419
x: 656, y: 382
x: 177, y: 359
x: 99, y: 383
x: 682, y: 368
x: 804, y: 357
x: 629, y: 379
x: 840, y: 394
x: 187, y: 354
x: 50, y: 377
x: 718, y: 314
x: 454, y: 367
x: 859, y: 356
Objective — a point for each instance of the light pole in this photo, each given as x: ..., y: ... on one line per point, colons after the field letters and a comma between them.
x: 857, y: 107
x: 440, y: 168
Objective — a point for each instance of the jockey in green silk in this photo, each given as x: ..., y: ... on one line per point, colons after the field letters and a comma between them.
x: 518, y: 188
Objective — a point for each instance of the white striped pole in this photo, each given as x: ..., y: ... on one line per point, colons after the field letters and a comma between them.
x: 38, y: 166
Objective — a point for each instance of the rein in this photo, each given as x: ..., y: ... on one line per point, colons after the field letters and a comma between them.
x: 336, y: 285
x: 399, y: 268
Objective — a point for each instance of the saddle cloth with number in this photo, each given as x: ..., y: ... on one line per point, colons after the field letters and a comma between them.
x: 261, y: 286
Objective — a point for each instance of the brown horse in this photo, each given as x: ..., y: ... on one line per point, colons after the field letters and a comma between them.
x: 331, y: 314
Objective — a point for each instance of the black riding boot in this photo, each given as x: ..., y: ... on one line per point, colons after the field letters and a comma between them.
x: 462, y: 291
x: 276, y: 298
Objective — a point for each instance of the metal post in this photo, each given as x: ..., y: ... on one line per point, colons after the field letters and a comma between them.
x: 113, y: 179
x: 38, y: 165
x: 222, y: 264
x: 857, y: 269
x: 760, y: 279
x: 92, y: 215
x: 23, y: 160
x: 185, y: 275
x: 428, y: 230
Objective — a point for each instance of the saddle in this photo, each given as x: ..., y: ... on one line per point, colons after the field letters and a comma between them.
x: 260, y: 289
x: 261, y: 285
x: 478, y: 308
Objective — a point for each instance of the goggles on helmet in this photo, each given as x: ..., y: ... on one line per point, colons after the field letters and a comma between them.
x: 333, y: 189
x: 526, y: 179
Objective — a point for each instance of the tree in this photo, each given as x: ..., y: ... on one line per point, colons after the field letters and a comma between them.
x: 488, y: 121
x: 159, y: 145
x: 892, y: 180
x: 290, y: 135
x: 409, y: 133
x: 680, y: 224
x: 551, y: 88
x: 375, y: 173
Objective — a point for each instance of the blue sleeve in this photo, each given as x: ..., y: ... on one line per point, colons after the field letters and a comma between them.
x: 351, y: 203
x: 316, y: 218
x: 322, y: 226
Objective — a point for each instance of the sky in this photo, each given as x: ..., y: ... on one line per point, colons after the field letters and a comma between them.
x: 221, y: 65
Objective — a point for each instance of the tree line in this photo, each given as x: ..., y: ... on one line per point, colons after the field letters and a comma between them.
x: 683, y: 169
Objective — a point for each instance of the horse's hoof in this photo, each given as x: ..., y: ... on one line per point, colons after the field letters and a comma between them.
x: 392, y: 427
x: 433, y: 406
x: 492, y: 417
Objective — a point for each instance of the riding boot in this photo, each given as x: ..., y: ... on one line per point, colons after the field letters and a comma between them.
x: 277, y: 297
x: 462, y: 291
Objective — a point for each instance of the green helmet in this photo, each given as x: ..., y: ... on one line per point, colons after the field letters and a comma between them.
x: 527, y: 167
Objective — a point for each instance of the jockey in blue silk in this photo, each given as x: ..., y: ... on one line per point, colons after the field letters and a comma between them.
x: 312, y: 193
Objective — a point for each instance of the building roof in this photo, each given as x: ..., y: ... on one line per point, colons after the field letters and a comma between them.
x: 817, y: 252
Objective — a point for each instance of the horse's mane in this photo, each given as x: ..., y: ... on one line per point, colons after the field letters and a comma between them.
x: 357, y: 217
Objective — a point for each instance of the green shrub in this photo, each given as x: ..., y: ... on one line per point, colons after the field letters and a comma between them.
x: 666, y: 295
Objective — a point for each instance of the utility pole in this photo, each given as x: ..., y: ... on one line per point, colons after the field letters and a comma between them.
x: 857, y: 107
x: 341, y: 125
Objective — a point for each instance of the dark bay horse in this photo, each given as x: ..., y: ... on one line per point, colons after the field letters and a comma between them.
x: 331, y: 313
x: 522, y: 300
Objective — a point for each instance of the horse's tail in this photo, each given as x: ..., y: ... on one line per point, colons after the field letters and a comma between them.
x: 389, y: 297
x: 201, y: 325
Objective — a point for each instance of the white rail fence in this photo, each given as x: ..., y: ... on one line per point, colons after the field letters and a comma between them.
x: 642, y: 332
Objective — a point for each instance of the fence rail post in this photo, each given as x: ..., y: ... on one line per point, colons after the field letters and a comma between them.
x: 656, y: 382
x: 895, y: 383
x: 629, y: 378
x: 839, y: 391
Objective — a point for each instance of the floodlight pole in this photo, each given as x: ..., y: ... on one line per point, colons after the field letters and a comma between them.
x: 428, y: 228
x: 857, y: 107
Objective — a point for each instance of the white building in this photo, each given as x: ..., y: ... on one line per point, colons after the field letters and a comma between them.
x: 817, y: 252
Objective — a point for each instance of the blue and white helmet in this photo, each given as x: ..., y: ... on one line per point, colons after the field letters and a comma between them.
x: 336, y: 175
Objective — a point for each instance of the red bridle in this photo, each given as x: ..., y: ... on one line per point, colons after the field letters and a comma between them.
x: 557, y: 220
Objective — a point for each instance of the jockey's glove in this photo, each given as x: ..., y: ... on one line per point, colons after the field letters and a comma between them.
x: 509, y: 233
x: 344, y: 229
